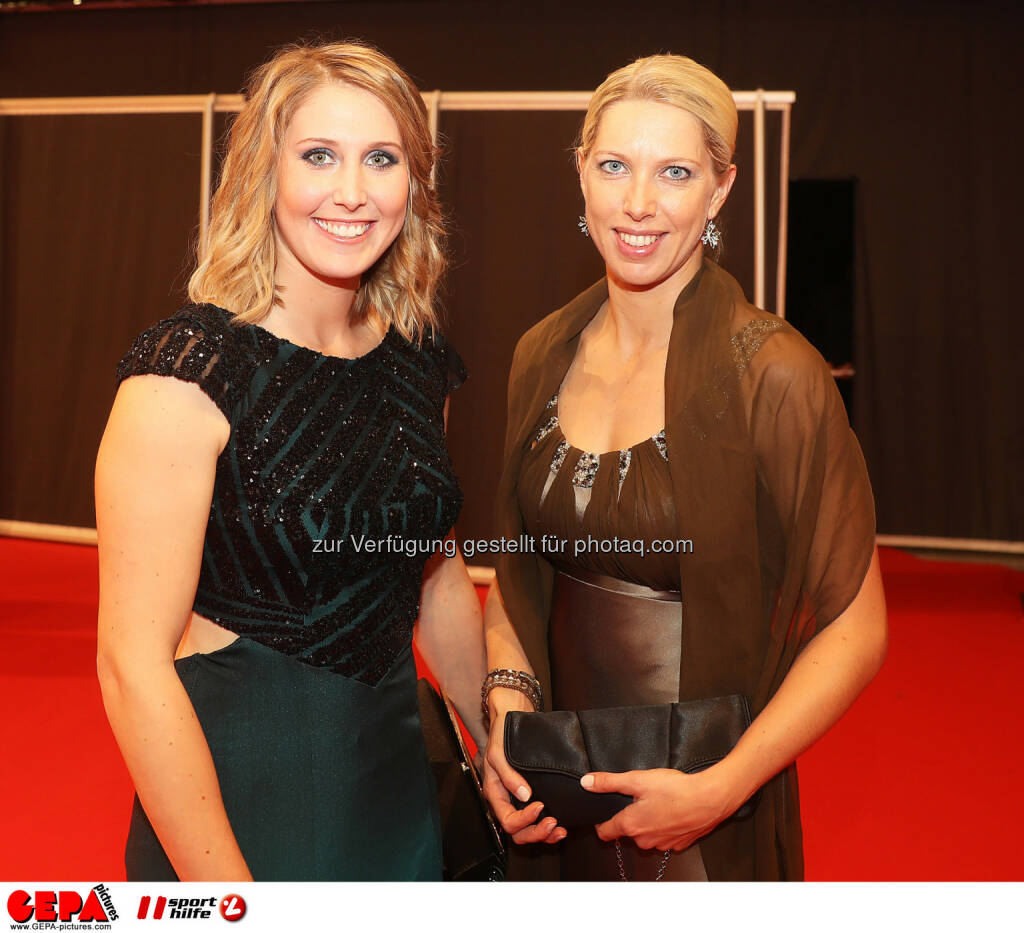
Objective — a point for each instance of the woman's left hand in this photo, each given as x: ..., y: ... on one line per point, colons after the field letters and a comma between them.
x: 670, y: 810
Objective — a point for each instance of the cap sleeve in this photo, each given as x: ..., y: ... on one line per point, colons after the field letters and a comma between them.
x: 450, y: 362
x: 186, y: 348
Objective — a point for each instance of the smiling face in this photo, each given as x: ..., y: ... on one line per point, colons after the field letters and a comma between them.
x: 650, y: 187
x: 342, y: 186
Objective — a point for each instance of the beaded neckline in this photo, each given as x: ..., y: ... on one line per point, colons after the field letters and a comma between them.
x: 588, y: 462
x: 350, y: 360
x: 268, y: 336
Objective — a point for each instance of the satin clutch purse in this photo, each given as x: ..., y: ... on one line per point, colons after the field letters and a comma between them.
x: 554, y: 750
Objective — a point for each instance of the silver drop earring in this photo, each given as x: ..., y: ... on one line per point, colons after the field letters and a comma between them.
x: 711, y: 236
x: 582, y: 224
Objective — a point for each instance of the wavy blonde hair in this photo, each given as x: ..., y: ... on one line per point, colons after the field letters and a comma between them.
x: 675, y: 80
x: 236, y: 269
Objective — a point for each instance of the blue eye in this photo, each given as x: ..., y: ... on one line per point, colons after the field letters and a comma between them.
x: 319, y: 157
x: 613, y: 167
x: 381, y: 159
x: 678, y: 173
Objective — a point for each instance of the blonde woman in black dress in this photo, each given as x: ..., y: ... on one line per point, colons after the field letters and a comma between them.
x: 272, y: 471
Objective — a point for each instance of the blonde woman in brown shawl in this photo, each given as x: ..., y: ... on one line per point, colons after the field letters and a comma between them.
x: 719, y: 429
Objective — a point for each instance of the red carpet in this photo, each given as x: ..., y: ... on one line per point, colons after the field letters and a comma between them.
x: 921, y: 780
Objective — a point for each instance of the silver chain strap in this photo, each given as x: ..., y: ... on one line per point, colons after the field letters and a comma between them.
x: 661, y: 868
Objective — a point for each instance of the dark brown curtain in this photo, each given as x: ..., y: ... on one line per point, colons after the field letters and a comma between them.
x: 97, y: 215
x: 517, y: 253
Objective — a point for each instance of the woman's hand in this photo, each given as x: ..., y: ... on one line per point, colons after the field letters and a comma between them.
x: 670, y: 810
x: 500, y: 780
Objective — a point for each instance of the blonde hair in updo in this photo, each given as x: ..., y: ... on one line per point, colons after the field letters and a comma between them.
x: 237, y: 269
x: 675, y: 80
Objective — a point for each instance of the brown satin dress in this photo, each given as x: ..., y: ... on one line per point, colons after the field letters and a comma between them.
x: 615, y: 627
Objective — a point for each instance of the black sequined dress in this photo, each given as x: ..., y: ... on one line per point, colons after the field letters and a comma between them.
x: 334, y: 485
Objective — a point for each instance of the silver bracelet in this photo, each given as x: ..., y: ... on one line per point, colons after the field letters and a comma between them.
x: 525, y: 683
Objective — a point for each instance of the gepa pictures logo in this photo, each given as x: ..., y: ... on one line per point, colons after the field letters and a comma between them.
x: 61, y: 906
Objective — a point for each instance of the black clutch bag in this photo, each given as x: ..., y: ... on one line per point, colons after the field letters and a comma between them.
x: 554, y: 750
x: 473, y: 843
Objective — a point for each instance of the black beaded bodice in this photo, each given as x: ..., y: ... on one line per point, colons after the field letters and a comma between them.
x: 334, y: 484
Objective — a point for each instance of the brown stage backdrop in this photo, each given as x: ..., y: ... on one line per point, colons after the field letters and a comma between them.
x: 97, y: 213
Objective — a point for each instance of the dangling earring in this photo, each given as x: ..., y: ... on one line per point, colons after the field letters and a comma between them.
x: 711, y: 236
x: 582, y: 224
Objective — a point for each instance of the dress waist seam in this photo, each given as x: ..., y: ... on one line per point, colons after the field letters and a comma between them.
x: 623, y: 587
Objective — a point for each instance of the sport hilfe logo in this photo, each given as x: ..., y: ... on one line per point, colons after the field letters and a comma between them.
x: 230, y: 908
x: 63, y: 906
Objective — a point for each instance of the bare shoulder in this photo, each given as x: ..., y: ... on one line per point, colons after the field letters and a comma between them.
x: 150, y: 407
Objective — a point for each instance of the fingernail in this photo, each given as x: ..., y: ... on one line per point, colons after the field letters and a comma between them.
x: 587, y: 780
x: 523, y: 793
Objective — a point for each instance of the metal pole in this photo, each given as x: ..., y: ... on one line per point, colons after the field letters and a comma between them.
x: 780, y: 273
x: 759, y: 198
x: 433, y: 101
x: 232, y: 103
x: 206, y: 172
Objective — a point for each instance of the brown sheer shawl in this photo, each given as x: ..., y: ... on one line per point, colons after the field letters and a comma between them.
x: 769, y: 484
